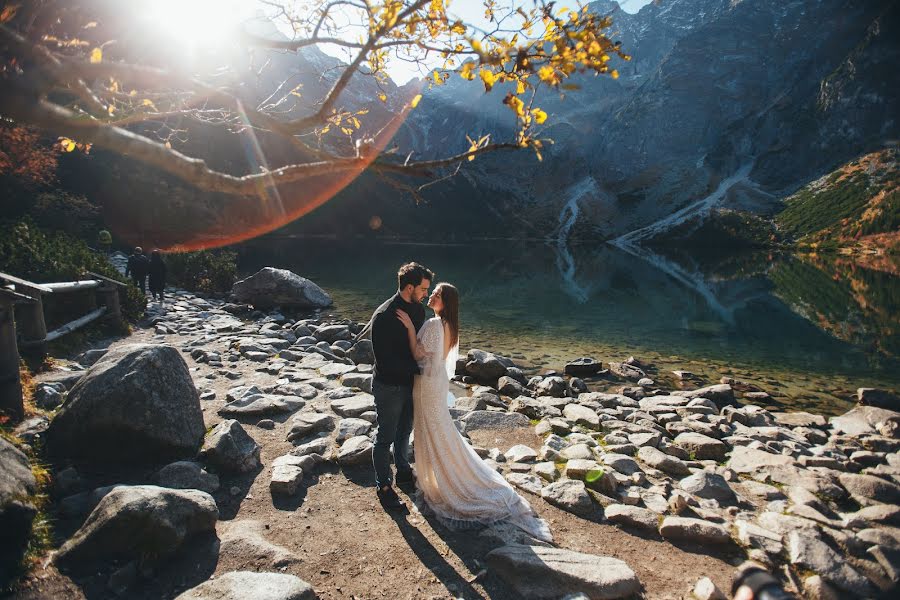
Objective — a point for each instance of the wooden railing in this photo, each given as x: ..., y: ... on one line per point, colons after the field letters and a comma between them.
x: 26, y: 299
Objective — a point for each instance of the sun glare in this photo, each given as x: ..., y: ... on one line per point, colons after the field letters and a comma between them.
x: 198, y: 24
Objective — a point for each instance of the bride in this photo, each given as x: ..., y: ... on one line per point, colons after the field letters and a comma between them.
x: 457, y: 485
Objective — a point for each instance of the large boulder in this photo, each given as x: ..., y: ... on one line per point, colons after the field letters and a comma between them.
x: 279, y: 287
x: 868, y: 420
x: 485, y: 366
x: 138, y: 522
x: 137, y: 403
x: 536, y: 572
x: 247, y: 585
x: 17, y: 485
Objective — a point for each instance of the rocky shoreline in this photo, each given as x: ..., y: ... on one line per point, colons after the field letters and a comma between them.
x: 162, y: 438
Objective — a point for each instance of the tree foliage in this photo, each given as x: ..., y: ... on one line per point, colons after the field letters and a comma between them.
x: 70, y: 69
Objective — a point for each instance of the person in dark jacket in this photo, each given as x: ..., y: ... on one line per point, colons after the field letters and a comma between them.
x: 137, y: 269
x: 157, y: 272
x: 392, y: 384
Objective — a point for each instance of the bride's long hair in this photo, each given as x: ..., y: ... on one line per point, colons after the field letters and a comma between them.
x: 450, y: 313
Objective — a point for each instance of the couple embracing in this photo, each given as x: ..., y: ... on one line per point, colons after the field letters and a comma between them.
x: 414, y: 360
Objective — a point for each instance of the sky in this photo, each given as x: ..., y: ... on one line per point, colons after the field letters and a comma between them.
x: 201, y: 21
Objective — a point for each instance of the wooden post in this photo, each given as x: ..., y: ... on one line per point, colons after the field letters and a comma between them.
x: 32, y: 324
x: 11, y: 403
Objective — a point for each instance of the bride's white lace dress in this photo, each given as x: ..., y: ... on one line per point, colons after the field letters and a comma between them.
x: 459, y: 487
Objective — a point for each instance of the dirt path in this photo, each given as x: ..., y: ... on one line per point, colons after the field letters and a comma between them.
x: 348, y: 547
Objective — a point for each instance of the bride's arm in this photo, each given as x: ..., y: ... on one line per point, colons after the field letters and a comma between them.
x: 418, y: 351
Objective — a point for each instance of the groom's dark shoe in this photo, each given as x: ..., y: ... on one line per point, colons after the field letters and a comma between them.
x: 389, y: 499
x: 406, y: 481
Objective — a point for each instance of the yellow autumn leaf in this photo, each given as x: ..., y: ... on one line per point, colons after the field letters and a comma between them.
x: 515, y: 104
x: 96, y: 56
x: 520, y: 87
x: 66, y: 144
x: 488, y: 78
x: 415, y: 101
x: 614, y: 74
x: 437, y: 78
x: 347, y: 130
x: 539, y: 115
x: 383, y: 97
x: 148, y: 102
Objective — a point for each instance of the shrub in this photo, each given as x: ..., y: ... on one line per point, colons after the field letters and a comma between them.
x: 32, y: 253
x: 207, y: 271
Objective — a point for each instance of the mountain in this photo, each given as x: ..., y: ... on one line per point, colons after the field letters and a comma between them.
x: 727, y: 104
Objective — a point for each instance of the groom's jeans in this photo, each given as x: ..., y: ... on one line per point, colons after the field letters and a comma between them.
x: 394, y: 410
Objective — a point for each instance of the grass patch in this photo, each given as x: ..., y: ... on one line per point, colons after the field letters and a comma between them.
x: 808, y: 211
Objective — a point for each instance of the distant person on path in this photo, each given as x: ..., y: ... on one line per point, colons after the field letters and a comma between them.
x: 137, y: 268
x: 392, y: 386
x: 157, y: 272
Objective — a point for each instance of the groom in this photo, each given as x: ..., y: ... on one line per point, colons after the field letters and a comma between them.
x: 393, y: 380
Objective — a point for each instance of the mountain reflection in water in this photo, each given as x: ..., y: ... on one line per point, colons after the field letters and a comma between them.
x: 769, y: 315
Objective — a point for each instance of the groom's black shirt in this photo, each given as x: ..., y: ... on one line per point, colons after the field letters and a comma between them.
x: 394, y: 362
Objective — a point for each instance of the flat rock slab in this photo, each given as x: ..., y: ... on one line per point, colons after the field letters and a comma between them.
x: 748, y: 460
x: 536, y: 572
x: 868, y: 489
x: 354, y: 405
x: 702, y: 447
x: 799, y: 419
x: 246, y: 539
x: 356, y: 451
x: 632, y: 516
x: 693, y: 530
x: 262, y: 404
x: 809, y: 552
x: 247, y: 585
x: 524, y: 481
x: 486, y: 419
x: 570, y: 496
x: 660, y: 460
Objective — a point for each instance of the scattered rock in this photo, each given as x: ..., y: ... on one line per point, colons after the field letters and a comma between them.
x: 810, y: 552
x: 693, y: 530
x: 868, y: 489
x: 569, y: 495
x: 583, y: 367
x: 708, y: 485
x: 246, y: 539
x: 632, y: 516
x: 17, y: 511
x: 187, y: 475
x: 247, y: 585
x: 230, y: 449
x: 878, y: 398
x: 702, y: 447
x: 356, y: 451
x: 705, y: 589
x: 662, y: 461
x: 536, y: 572
x: 491, y: 420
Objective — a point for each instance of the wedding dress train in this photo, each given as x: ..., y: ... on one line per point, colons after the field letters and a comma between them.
x: 453, y: 480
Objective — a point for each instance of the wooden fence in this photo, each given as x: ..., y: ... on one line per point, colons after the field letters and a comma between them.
x: 22, y: 306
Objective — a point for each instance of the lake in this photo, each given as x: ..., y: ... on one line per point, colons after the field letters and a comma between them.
x: 806, y: 330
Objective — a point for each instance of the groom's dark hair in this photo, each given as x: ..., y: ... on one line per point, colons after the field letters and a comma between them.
x: 412, y: 273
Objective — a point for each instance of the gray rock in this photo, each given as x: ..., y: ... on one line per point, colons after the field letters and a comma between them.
x: 187, y: 475
x: 520, y: 453
x: 583, y: 367
x: 100, y: 416
x: 536, y: 572
x: 799, y: 419
x: 868, y: 420
x: 810, y: 552
x: 693, y: 530
x: 546, y: 471
x: 353, y: 406
x: 246, y: 538
x: 229, y: 448
x: 721, y: 394
x: 570, y: 496
x: 348, y: 428
x: 524, y: 481
x: 360, y: 381
x: 702, y: 447
x: 356, y: 451
x: 632, y: 516
x: 878, y: 398
x: 868, y: 489
x: 307, y: 423
x: 512, y: 388
x: 705, y: 589
x: 751, y: 535
x: 257, y: 405
x: 485, y: 366
x: 577, y: 451
x: 139, y: 522
x: 885, y: 514
x: 248, y: 585
x: 362, y: 353
x: 626, y: 371
x: 553, y: 386
x: 708, y: 485
x: 663, y: 462
x: 332, y: 333
x: 491, y: 420
x: 17, y: 510
x: 48, y: 395
x: 621, y: 463
x: 279, y: 287
x: 582, y: 415
x: 470, y: 403
x: 747, y: 460
x: 287, y: 473
x: 816, y: 588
